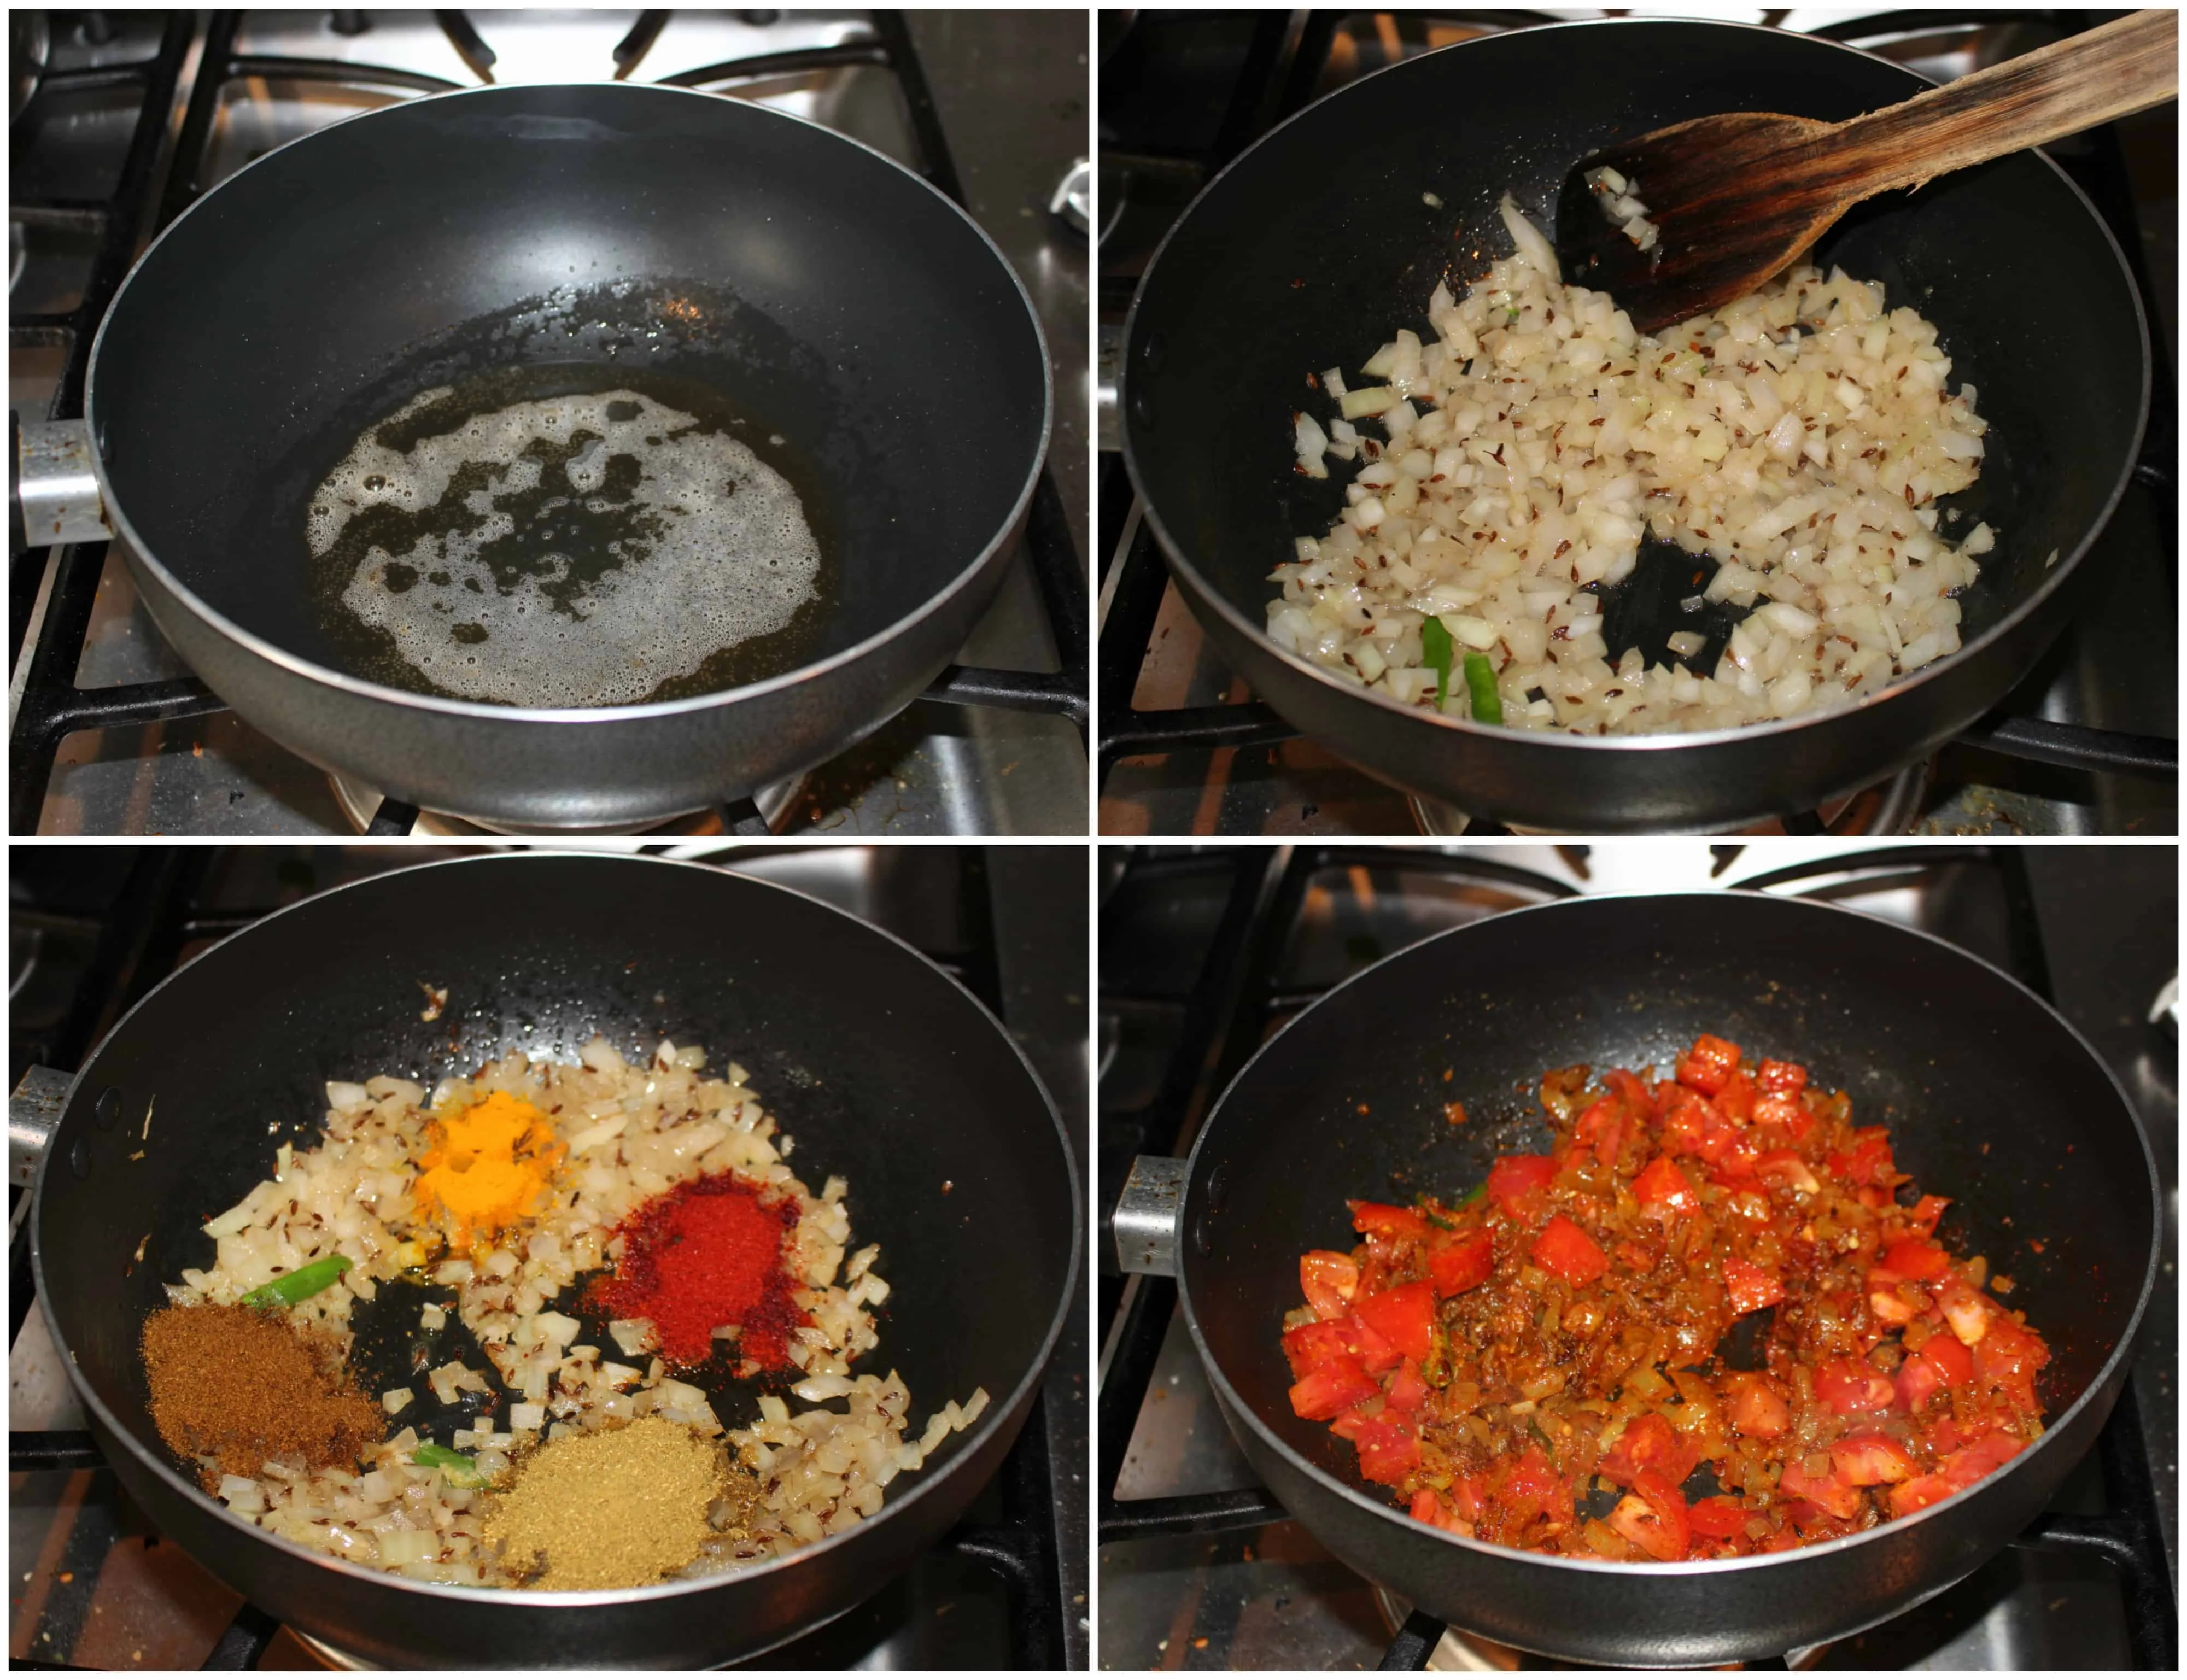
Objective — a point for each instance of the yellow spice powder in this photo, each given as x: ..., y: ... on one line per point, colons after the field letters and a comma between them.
x: 486, y: 1167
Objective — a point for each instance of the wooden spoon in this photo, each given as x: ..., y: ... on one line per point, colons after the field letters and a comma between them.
x: 1734, y: 199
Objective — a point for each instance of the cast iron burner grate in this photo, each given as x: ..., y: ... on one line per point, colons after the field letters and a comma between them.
x: 1283, y: 70
x: 1226, y: 1017
x: 158, y: 916
x: 52, y: 707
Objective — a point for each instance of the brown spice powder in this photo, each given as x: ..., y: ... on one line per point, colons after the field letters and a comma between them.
x: 241, y: 1387
x: 623, y: 1508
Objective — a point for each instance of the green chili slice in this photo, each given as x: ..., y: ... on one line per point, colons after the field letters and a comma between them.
x: 301, y: 1284
x: 460, y: 1468
x: 1480, y: 679
x: 1435, y: 649
x: 1473, y: 1195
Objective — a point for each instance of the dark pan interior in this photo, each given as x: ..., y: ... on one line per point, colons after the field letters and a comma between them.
x: 821, y: 291
x: 1990, y: 1100
x: 1317, y: 246
x: 881, y: 1069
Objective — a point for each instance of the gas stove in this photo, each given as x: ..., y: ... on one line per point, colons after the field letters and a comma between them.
x: 1205, y: 951
x: 2086, y: 744
x: 91, y: 929
x: 138, y: 113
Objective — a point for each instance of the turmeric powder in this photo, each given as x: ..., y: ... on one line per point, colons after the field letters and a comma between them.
x: 487, y: 1167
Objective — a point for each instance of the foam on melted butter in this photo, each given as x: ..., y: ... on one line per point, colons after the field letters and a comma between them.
x: 729, y: 554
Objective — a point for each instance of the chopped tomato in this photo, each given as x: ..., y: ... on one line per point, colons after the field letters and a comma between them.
x: 1919, y: 1260
x: 1960, y: 1471
x: 1868, y: 1460
x: 1757, y: 1409
x: 1848, y: 1387
x: 1943, y: 1362
x: 1831, y: 1492
x: 1648, y: 1444
x: 1405, y: 1316
x: 2008, y: 1356
x: 1893, y: 1298
x: 1871, y: 1163
x: 1781, y: 1079
x: 1428, y: 1509
x: 1663, y: 1191
x: 1531, y: 1487
x: 1750, y: 1287
x: 1309, y: 1347
x: 1735, y: 1101
x: 1565, y: 1249
x: 1603, y: 1126
x: 1967, y: 1310
x: 1927, y: 1212
x: 1463, y: 1262
x: 1638, y: 1098
x: 1409, y: 1389
x: 1329, y: 1280
x: 1518, y: 1184
x: 1788, y: 1114
x: 1388, y: 1450
x: 1785, y: 1167
x: 1717, y: 1518
x: 1653, y: 1516
x: 1710, y: 1065
x: 1380, y: 1219
x: 1329, y: 1389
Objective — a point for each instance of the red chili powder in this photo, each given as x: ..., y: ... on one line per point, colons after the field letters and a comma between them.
x: 704, y: 1254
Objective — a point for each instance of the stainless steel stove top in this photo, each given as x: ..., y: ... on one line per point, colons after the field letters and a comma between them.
x: 935, y: 769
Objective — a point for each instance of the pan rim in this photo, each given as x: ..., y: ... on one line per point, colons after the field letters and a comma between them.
x: 2054, y: 578
x: 1233, y: 1404
x: 967, y: 576
x: 531, y: 1597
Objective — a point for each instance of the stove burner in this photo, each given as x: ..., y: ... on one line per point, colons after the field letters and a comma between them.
x: 1458, y: 1652
x: 370, y: 811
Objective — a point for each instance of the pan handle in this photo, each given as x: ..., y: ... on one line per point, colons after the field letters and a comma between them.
x: 34, y: 1111
x: 1148, y: 1216
x: 53, y: 491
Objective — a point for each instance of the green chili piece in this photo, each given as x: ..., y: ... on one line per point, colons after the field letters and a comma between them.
x: 301, y: 1284
x: 460, y: 1468
x: 1480, y: 679
x: 1473, y: 1195
x: 1437, y: 1220
x: 1435, y: 649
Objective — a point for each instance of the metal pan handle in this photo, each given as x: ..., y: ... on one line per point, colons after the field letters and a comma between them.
x: 53, y: 495
x: 34, y: 1112
x: 1148, y: 1215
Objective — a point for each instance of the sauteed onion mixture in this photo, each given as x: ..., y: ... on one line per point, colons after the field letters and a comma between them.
x: 1551, y: 1363
x: 656, y: 1199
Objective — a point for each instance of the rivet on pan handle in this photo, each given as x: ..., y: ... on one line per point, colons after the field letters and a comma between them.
x: 1147, y: 1216
x: 34, y: 1111
x: 57, y: 489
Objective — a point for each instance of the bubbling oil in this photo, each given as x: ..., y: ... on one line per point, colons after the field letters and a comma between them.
x: 546, y: 537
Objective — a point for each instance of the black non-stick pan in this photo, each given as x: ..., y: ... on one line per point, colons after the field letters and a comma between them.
x: 881, y: 1067
x: 1316, y: 245
x: 841, y: 316
x: 1992, y: 1099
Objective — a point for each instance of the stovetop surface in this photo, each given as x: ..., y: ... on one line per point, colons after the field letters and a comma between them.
x: 1274, y: 1597
x: 1010, y: 88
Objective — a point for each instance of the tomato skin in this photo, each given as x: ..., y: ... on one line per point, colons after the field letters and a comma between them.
x: 1328, y: 1281
x: 1781, y: 1079
x: 1709, y: 1065
x: 1518, y: 1184
x: 1567, y: 1250
x: 1466, y: 1262
x: 1653, y: 1516
x: 1755, y: 1408
x: 1918, y: 1259
x: 1870, y: 1460
x: 1848, y: 1387
x: 1718, y: 1518
x: 1331, y: 1388
x: 1750, y: 1286
x: 1382, y: 1219
x: 1663, y: 1191
x: 1405, y: 1316
x: 1649, y: 1446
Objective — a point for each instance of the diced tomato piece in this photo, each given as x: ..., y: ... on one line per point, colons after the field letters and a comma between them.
x: 1565, y: 1249
x: 1649, y: 1443
x: 1311, y: 1347
x: 1639, y: 1100
x: 1788, y: 1114
x: 1735, y: 1101
x: 1465, y: 1261
x: 1329, y: 1280
x: 1718, y: 1518
x: 1755, y: 1408
x: 1468, y: 1495
x: 1405, y: 1316
x: 1380, y: 1219
x: 1888, y: 1302
x: 1831, y: 1492
x: 1532, y: 1485
x: 1918, y: 1259
x: 1518, y: 1184
x: 1329, y: 1389
x: 1653, y: 1516
x: 1603, y: 1126
x: 1389, y: 1451
x: 2009, y: 1356
x: 1848, y: 1387
x: 1967, y: 1310
x: 1750, y: 1286
x: 1710, y: 1065
x: 1785, y: 1167
x: 1943, y: 1364
x: 1961, y: 1471
x: 1871, y: 1163
x: 1426, y: 1508
x: 1662, y: 1190
x: 1919, y: 1492
x: 1781, y: 1079
x: 1409, y: 1389
x: 1927, y: 1212
x: 1870, y: 1460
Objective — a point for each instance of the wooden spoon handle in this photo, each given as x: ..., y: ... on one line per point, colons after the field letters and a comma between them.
x: 2123, y: 66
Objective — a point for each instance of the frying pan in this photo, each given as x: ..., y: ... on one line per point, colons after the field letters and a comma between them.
x: 1992, y: 1099
x: 1316, y: 245
x: 860, y: 324
x: 881, y: 1067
